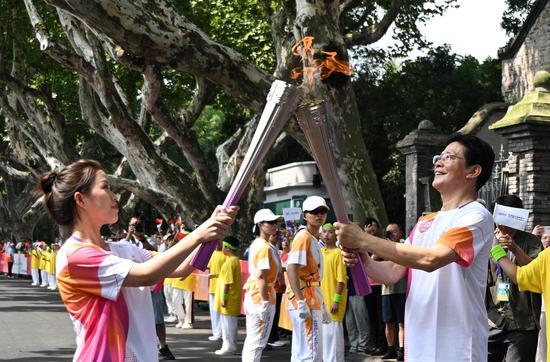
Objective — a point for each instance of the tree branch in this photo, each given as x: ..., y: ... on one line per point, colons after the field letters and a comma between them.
x: 373, y: 33
x: 158, y: 34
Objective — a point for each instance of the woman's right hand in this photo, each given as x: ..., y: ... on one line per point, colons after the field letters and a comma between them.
x: 217, y: 226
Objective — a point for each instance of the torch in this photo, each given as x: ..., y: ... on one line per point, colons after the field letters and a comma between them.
x: 281, y: 104
x: 313, y: 121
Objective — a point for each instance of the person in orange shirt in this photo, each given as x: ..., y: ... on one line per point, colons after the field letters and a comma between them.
x: 305, y: 269
x: 259, y: 300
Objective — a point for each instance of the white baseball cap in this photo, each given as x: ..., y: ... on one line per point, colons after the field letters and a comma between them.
x: 314, y: 202
x: 265, y: 215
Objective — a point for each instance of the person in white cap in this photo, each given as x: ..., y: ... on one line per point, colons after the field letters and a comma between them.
x: 305, y: 269
x: 259, y: 299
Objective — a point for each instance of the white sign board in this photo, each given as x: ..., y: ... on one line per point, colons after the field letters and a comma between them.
x: 513, y: 217
x: 292, y: 213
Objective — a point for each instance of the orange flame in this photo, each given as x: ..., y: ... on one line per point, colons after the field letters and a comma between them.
x: 311, y: 66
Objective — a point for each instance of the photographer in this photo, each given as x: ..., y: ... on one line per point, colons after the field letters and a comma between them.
x: 136, y: 235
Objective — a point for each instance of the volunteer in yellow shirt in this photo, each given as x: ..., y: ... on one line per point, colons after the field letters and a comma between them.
x: 182, y: 295
x: 333, y: 286
x: 44, y: 258
x: 533, y: 277
x: 214, y: 267
x: 305, y: 269
x: 51, y: 268
x: 35, y: 264
x: 227, y: 301
x: 259, y: 299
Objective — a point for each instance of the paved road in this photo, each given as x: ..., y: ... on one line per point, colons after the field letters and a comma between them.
x: 34, y: 326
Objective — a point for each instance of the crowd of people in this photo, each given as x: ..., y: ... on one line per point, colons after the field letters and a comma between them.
x: 458, y: 288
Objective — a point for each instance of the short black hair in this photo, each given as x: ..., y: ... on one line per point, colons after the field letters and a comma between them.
x: 371, y: 220
x: 510, y: 201
x: 476, y: 152
x: 232, y: 240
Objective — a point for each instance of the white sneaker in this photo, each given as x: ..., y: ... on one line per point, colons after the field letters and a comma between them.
x: 187, y: 326
x: 34, y: 284
x: 43, y: 285
x: 221, y: 352
x: 277, y: 344
x: 179, y: 325
x: 214, y: 338
x: 170, y: 319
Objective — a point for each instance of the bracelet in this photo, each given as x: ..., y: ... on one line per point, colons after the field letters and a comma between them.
x: 224, y: 296
x: 498, y: 252
x: 337, y: 298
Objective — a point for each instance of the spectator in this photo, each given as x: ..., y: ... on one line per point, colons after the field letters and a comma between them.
x: 228, y: 296
x: 333, y: 286
x: 393, y: 305
x: 214, y: 266
x: 513, y: 316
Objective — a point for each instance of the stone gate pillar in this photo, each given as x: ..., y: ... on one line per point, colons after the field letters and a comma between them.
x: 526, y: 125
x: 419, y: 147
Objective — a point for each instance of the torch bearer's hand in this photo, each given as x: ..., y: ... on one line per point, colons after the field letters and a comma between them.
x: 351, y: 257
x: 350, y: 236
x: 217, y: 226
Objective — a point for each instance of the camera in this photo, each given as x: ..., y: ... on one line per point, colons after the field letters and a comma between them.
x: 389, y: 235
x: 139, y: 228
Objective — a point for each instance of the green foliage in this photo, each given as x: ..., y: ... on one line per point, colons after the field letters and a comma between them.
x: 209, y: 129
x: 405, y: 28
x: 514, y: 16
x: 441, y: 87
x: 239, y: 24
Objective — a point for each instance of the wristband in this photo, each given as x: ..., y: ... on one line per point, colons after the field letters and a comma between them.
x: 337, y: 298
x: 498, y: 252
x: 224, y: 296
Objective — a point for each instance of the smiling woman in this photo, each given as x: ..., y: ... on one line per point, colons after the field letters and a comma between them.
x: 112, y: 320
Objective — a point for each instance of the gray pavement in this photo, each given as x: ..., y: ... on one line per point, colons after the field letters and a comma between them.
x: 34, y: 326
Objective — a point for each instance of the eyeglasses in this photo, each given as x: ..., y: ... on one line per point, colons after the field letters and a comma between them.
x: 274, y: 222
x: 321, y: 211
x: 445, y: 158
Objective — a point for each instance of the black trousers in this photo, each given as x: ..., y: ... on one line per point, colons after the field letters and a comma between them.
x: 516, y: 346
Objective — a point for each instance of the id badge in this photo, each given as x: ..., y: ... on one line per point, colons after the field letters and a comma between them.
x: 503, y: 291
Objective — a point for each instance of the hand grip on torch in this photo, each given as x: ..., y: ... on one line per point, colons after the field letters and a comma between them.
x: 281, y: 103
x: 312, y: 120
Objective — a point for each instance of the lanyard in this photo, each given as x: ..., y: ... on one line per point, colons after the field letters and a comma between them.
x: 499, y: 269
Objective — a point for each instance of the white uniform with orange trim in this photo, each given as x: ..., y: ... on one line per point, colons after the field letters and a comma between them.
x: 445, y: 311
x: 258, y: 326
x: 306, y: 333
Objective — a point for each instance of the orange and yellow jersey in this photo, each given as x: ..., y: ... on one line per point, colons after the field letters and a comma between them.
x: 260, y: 258
x: 215, y: 266
x: 35, y: 258
x: 305, y: 251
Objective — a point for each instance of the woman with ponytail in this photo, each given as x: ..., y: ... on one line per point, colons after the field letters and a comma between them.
x: 105, y: 286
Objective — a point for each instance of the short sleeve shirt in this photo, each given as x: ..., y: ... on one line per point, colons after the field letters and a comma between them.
x: 261, y: 257
x: 229, y: 274
x: 112, y: 322
x: 334, y: 273
x: 306, y: 252
x: 534, y: 277
x: 445, y: 309
x: 215, y: 265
